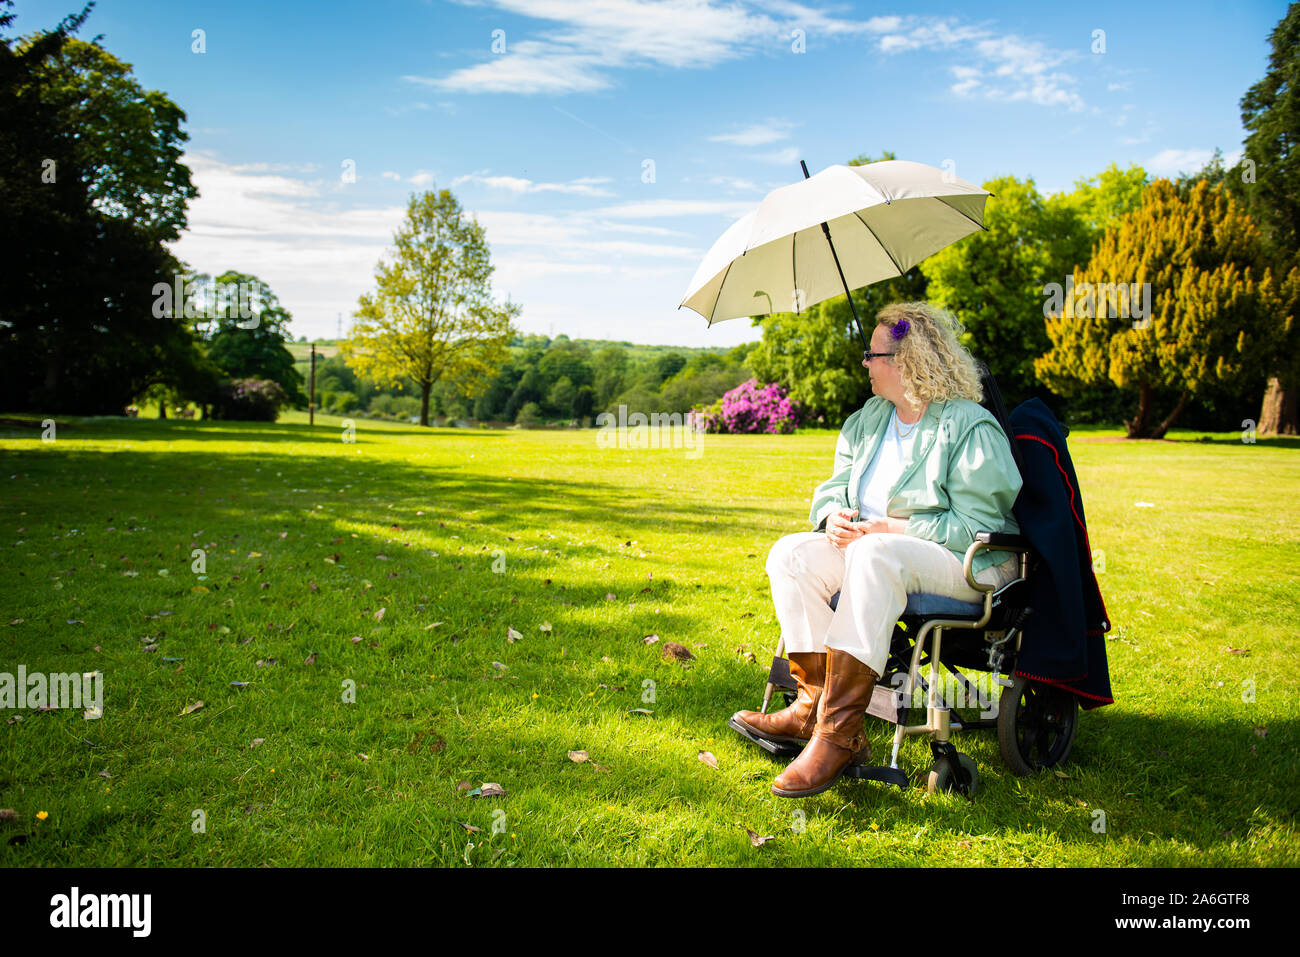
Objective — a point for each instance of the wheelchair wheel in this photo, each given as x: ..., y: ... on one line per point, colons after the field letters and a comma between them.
x: 943, y: 776
x: 1036, y: 725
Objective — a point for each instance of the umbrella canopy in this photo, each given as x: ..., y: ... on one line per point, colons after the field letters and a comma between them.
x: 883, y: 218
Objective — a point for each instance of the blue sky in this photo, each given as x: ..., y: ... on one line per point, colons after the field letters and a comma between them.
x: 545, y: 141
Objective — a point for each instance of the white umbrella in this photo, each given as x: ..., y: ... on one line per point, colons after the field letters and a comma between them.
x: 846, y: 227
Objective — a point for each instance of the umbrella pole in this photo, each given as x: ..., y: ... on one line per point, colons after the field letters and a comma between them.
x: 826, y: 231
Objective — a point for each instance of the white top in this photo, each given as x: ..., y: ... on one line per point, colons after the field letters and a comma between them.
x: 885, y: 469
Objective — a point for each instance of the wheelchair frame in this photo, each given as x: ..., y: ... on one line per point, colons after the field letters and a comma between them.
x: 1031, y: 716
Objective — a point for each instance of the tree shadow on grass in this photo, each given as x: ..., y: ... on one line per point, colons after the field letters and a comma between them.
x: 1263, y: 442
x: 223, y: 430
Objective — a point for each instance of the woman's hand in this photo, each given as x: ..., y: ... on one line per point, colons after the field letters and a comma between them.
x: 842, y: 530
x: 897, y: 526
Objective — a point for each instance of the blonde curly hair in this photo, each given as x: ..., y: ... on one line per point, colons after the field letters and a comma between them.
x: 931, y: 360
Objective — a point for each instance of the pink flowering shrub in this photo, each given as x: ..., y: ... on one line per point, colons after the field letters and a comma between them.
x: 749, y: 408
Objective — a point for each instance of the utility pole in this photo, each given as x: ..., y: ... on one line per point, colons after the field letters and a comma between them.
x: 311, y: 389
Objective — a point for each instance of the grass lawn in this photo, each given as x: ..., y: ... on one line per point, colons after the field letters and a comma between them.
x: 395, y: 566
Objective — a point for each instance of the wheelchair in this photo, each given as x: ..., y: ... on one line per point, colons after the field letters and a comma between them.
x: 936, y: 643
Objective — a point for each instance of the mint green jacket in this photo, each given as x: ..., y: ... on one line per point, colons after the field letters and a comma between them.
x: 960, y: 477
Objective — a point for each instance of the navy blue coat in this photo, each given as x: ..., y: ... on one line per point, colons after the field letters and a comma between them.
x: 1064, y: 641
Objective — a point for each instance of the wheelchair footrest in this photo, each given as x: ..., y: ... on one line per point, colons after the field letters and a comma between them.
x: 883, y: 774
x: 775, y: 748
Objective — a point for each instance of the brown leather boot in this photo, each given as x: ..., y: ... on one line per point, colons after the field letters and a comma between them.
x: 795, y: 724
x: 838, y: 739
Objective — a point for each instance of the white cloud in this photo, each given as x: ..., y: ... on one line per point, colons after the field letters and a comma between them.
x: 590, y: 40
x: 319, y: 256
x: 786, y: 157
x: 1008, y: 68
x: 1171, y: 162
x: 736, y: 184
x: 585, y: 186
x: 657, y: 208
x: 421, y: 178
x: 389, y: 174
x: 757, y: 134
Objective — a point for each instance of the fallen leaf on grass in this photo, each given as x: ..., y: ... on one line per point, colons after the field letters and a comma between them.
x: 191, y: 708
x: 267, y: 662
x: 363, y: 757
x: 1238, y: 651
x: 1261, y: 731
x: 8, y: 814
x: 499, y: 666
x: 310, y: 659
x: 469, y: 827
x: 757, y: 841
x: 106, y: 775
x: 256, y: 742
x: 379, y: 615
x: 639, y: 711
x: 650, y: 639
x: 511, y: 635
x: 545, y: 626
x: 437, y: 745
x: 610, y: 596
x: 489, y: 789
x: 1060, y: 774
x: 463, y: 786
x: 578, y: 757
x: 434, y: 625
x: 675, y: 650
x: 708, y: 759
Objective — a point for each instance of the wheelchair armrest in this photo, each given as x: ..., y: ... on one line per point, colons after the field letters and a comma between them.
x: 1002, y: 540
x: 992, y: 541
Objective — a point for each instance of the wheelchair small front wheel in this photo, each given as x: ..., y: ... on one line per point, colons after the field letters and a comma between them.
x: 944, y: 776
x: 1036, y: 725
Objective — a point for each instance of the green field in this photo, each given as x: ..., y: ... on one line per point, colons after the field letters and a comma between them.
x: 370, y: 565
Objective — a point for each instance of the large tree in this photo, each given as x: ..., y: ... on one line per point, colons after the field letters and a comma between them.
x: 1208, y: 321
x: 432, y: 317
x: 90, y: 179
x: 1268, y: 181
x: 994, y: 279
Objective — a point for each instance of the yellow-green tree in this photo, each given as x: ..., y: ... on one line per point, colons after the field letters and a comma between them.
x: 1212, y: 314
x: 432, y: 316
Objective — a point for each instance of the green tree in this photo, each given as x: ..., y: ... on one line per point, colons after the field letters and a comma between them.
x: 1268, y: 182
x: 432, y: 315
x: 562, y: 397
x: 610, y: 370
x: 994, y: 279
x: 248, y: 341
x: 90, y: 179
x: 1208, y: 320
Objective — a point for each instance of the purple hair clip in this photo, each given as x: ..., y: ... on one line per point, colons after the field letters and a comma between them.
x: 900, y: 329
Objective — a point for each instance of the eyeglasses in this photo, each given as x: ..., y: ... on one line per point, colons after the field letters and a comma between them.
x: 868, y: 356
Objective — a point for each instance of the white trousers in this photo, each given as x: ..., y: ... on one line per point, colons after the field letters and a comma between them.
x: 874, y: 576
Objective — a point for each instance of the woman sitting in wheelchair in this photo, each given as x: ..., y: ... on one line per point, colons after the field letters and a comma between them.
x: 919, y: 470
